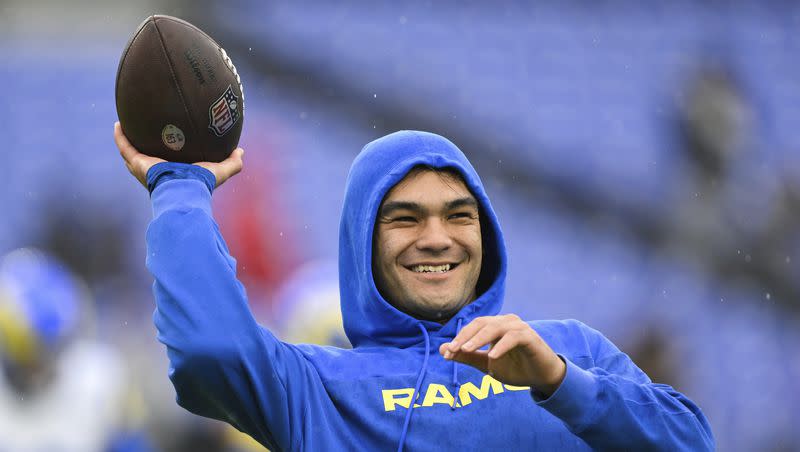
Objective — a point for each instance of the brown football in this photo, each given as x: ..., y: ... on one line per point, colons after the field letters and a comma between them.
x: 178, y: 95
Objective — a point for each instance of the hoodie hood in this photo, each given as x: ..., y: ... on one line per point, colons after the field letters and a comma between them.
x: 369, y: 319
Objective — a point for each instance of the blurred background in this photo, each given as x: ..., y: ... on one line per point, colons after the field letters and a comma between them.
x: 643, y: 158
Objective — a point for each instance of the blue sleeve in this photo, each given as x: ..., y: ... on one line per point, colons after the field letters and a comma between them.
x: 615, y: 406
x: 223, y: 365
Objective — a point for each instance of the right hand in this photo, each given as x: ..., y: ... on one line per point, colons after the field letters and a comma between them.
x: 138, y: 164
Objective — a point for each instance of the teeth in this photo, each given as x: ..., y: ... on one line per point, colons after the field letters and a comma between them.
x: 431, y: 268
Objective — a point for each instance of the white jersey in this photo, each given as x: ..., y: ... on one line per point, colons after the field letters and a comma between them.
x: 77, y: 412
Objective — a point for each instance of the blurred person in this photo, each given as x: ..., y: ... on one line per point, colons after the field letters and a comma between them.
x: 422, y: 267
x: 713, y: 126
x: 307, y: 306
x: 715, y: 122
x: 59, y: 389
x: 731, y: 210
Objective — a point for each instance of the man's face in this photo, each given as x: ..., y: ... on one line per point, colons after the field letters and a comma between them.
x: 427, y: 245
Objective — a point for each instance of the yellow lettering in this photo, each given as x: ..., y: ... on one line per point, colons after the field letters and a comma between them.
x: 437, y: 394
x: 469, y: 389
x: 394, y: 397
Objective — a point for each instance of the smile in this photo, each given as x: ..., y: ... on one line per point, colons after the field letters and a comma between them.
x: 444, y: 268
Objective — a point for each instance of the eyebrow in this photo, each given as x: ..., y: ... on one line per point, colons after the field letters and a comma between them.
x: 392, y: 206
x: 467, y: 201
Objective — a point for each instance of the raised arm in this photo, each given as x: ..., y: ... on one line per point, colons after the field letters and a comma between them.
x: 222, y: 363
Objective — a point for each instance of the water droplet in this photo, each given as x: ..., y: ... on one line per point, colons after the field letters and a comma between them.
x: 768, y: 296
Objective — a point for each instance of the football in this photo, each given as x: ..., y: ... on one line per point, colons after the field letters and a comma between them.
x: 178, y: 94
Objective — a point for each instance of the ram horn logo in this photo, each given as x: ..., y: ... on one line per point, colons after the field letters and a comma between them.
x: 223, y: 113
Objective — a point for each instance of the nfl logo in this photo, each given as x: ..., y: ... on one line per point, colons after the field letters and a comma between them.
x: 223, y: 113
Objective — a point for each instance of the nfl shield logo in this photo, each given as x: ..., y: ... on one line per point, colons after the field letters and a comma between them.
x: 223, y: 113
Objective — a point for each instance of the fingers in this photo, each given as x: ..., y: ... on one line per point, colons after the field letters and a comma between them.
x: 510, y: 340
x: 478, y: 360
x: 137, y: 163
x: 126, y: 149
x: 466, y: 333
x: 484, y: 331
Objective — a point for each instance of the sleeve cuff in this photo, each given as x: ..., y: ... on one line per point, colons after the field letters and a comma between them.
x: 166, y: 171
x: 181, y: 194
x: 572, y: 402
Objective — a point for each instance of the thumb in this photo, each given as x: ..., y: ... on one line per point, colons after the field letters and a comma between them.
x: 227, y: 168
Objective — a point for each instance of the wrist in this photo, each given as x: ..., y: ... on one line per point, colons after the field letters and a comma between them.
x: 165, y: 171
x: 555, y: 377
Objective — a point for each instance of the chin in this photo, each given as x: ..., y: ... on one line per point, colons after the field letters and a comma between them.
x: 438, y: 311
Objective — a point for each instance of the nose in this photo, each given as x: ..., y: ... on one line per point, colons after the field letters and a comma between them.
x: 434, y: 236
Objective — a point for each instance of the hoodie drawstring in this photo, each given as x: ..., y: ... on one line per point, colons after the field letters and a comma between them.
x: 456, y: 383
x: 416, y: 388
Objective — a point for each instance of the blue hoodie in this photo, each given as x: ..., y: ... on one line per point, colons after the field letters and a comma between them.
x: 304, y: 397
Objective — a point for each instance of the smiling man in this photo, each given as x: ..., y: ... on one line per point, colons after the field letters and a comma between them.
x: 422, y: 266
x: 427, y: 245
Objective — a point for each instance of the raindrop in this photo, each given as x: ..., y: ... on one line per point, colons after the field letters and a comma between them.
x: 768, y: 296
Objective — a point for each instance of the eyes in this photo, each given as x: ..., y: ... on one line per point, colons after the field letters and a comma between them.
x: 455, y: 217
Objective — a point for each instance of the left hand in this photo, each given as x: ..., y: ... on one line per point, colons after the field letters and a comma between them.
x: 517, y: 355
